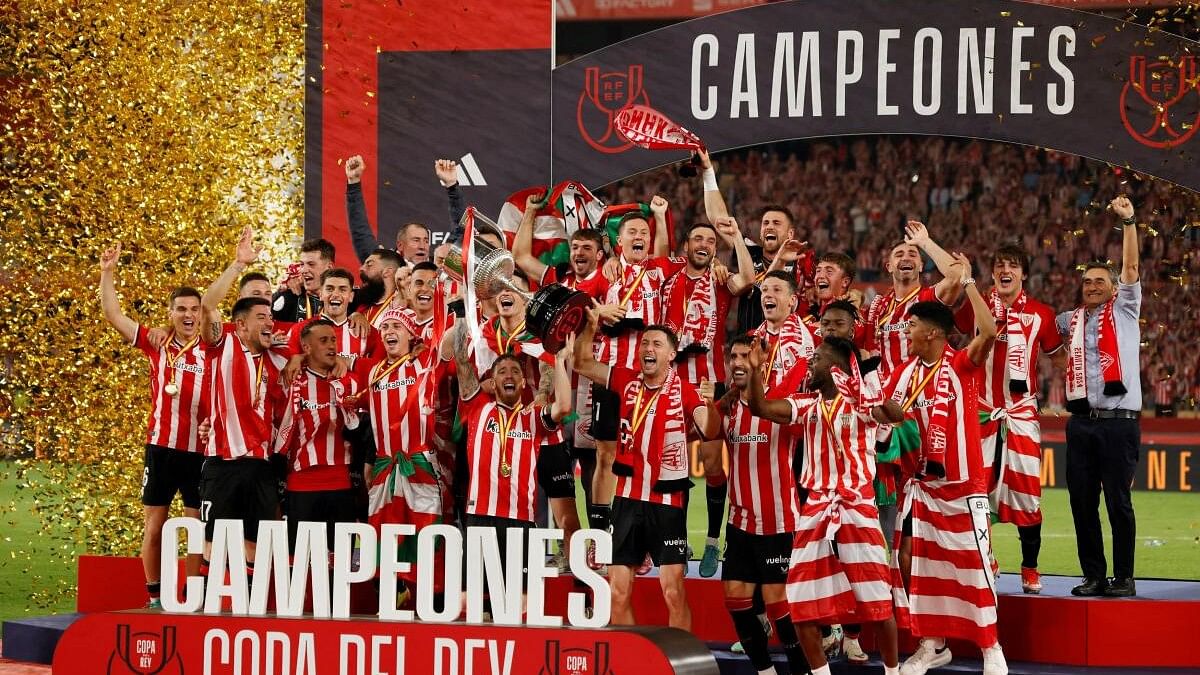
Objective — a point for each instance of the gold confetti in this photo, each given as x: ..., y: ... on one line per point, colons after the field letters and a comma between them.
x: 167, y: 127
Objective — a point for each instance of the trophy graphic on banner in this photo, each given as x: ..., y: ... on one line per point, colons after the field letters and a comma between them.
x: 551, y: 314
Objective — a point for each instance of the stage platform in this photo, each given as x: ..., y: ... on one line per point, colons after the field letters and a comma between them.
x: 1146, y: 634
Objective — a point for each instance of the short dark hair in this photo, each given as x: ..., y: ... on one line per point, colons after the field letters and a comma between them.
x: 337, y: 273
x: 665, y: 330
x: 844, y: 305
x: 935, y: 313
x: 841, y: 260
x: 775, y: 207
x: 841, y: 346
x: 183, y: 292
x: 1102, y: 265
x: 635, y: 214
x: 249, y: 277
x: 589, y: 234
x: 744, y: 339
x: 425, y: 267
x: 697, y: 226
x: 1012, y: 253
x: 308, y: 327
x: 242, y: 307
x: 322, y: 246
x: 786, y: 277
x: 388, y: 257
x: 509, y: 357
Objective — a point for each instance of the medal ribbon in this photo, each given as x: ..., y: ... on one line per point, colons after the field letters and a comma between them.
x: 637, y: 281
x: 378, y: 309
x: 914, y: 392
x: 640, y: 411
x: 376, y: 375
x: 506, y: 422
x: 827, y: 413
x: 174, y: 359
x: 258, y: 377
x: 502, y: 345
x: 771, y: 363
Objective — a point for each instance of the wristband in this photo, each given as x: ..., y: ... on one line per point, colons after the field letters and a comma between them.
x: 710, y: 181
x: 967, y: 282
x: 1129, y: 221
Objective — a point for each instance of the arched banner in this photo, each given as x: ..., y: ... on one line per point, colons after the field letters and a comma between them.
x: 994, y: 69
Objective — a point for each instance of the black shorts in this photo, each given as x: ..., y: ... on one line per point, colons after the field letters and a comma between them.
x: 501, y: 525
x: 167, y: 471
x: 556, y: 471
x: 606, y: 413
x: 320, y: 506
x: 238, y: 489
x: 644, y: 527
x: 756, y: 558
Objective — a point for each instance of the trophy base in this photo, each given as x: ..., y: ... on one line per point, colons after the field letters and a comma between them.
x: 554, y: 313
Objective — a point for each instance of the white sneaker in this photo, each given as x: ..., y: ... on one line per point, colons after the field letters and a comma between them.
x: 926, y: 657
x: 993, y: 661
x: 832, y: 645
x: 854, y: 651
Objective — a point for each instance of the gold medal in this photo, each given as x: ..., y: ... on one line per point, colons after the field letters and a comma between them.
x: 171, y: 388
x: 505, y: 470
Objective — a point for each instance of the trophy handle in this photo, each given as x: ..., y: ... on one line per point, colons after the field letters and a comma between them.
x: 552, y: 653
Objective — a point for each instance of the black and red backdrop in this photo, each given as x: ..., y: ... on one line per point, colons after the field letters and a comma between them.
x: 404, y: 83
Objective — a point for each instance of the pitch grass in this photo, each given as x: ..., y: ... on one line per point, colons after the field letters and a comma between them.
x: 1171, y: 518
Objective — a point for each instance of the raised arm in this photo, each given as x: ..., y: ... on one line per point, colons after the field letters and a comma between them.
x: 563, y: 397
x: 1130, y: 258
x: 712, y: 419
x: 126, y: 326
x: 728, y: 228
x: 659, y: 206
x: 714, y: 203
x: 523, y: 243
x: 245, y: 254
x: 985, y: 324
x: 949, y: 287
x: 776, y: 410
x: 446, y: 171
x: 361, y: 235
x: 585, y: 362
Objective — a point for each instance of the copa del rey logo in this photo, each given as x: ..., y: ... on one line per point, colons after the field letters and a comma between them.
x: 145, y: 653
x: 603, y: 96
x: 1160, y: 103
x: 576, y: 660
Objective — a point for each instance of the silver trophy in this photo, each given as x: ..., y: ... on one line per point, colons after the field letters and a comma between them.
x: 552, y: 313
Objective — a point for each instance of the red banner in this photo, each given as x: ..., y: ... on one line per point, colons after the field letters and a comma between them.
x: 583, y: 10
x: 647, y: 128
x: 171, y: 644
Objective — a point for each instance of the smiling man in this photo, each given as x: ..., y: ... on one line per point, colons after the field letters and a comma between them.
x: 316, y: 256
x: 337, y: 290
x: 657, y: 409
x: 1012, y: 450
x: 178, y: 403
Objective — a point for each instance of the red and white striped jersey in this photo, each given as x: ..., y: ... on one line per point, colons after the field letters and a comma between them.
x: 789, y: 350
x: 246, y: 399
x: 350, y: 345
x: 639, y: 292
x: 1164, y: 392
x: 887, y: 320
x: 401, y: 405
x: 688, y: 307
x: 839, y: 444
x: 1041, y: 335
x: 762, y: 484
x: 312, y: 432
x: 595, y: 284
x: 914, y: 386
x: 662, y: 423
x: 503, y: 440
x: 173, y: 419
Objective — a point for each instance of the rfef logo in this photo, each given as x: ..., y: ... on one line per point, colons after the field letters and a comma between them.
x: 576, y: 660
x: 145, y: 653
x: 603, y: 96
x: 1165, y: 111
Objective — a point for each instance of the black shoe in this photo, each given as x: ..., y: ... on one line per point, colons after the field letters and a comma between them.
x: 1090, y: 588
x: 1120, y: 588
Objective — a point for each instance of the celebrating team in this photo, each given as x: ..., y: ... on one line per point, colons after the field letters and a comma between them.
x: 865, y: 452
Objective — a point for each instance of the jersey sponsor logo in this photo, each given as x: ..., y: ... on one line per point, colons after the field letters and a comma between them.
x: 194, y: 368
x: 927, y: 402
x: 493, y: 427
x: 306, y: 404
x: 402, y: 382
x: 749, y: 438
x: 895, y: 326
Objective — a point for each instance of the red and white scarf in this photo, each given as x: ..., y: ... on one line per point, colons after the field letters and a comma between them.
x: 1110, y: 357
x: 495, y: 340
x: 1016, y: 349
x: 795, y: 343
x: 668, y: 409
x: 694, y: 318
x: 909, y: 388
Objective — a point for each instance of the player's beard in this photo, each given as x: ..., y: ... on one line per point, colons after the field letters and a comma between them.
x: 370, y: 292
